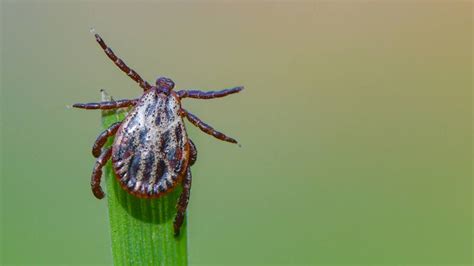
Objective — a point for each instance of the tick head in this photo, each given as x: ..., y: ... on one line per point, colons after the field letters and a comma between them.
x: 164, y: 85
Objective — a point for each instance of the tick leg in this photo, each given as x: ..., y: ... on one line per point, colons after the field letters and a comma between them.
x: 194, y: 152
x: 97, y: 173
x: 130, y: 72
x: 182, y: 203
x: 106, y: 105
x: 102, y: 138
x: 207, y: 94
x: 207, y: 128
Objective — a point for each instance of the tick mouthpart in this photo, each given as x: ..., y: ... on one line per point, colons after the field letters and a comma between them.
x: 164, y: 85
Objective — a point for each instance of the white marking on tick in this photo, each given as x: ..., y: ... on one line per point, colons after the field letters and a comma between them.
x: 163, y: 184
x: 152, y: 178
x: 141, y: 169
x: 172, y: 124
x: 150, y: 188
x: 137, y: 185
x: 168, y: 177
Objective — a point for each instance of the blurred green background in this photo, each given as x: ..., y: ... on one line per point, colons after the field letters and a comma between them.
x: 355, y: 127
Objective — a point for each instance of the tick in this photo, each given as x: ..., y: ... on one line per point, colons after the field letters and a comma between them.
x: 151, y: 153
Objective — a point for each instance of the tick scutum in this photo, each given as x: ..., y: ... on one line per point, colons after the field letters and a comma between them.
x: 155, y: 135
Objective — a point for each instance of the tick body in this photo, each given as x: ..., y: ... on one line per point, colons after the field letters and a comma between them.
x: 151, y: 153
x: 151, y: 149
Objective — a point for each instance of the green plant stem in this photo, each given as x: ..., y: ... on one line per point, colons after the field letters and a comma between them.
x: 141, y: 229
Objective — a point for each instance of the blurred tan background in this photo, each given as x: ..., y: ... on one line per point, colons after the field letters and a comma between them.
x: 355, y: 127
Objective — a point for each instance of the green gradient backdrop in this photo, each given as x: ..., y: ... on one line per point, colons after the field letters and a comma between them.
x: 355, y: 127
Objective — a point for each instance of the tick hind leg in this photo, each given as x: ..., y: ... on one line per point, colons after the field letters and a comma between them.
x: 102, y: 138
x: 207, y: 128
x: 197, y: 94
x: 121, y: 64
x: 106, y: 105
x: 97, y: 173
x: 182, y: 203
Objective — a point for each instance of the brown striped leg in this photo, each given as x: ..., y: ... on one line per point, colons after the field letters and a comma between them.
x: 102, y: 138
x: 106, y: 105
x: 97, y: 172
x: 130, y: 72
x: 207, y: 94
x: 194, y: 152
x: 182, y: 203
x: 207, y: 128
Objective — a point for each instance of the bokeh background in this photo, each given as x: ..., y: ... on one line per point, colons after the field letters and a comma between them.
x: 355, y: 127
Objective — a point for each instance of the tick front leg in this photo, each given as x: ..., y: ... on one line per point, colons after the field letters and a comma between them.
x: 107, y: 105
x: 121, y: 64
x: 102, y: 138
x: 197, y: 94
x: 207, y: 128
x: 182, y: 203
x: 97, y: 173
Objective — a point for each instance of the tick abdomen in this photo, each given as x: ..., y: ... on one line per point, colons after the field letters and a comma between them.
x: 151, y: 149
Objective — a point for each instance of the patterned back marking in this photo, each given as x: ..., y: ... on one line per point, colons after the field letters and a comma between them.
x: 149, y: 150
